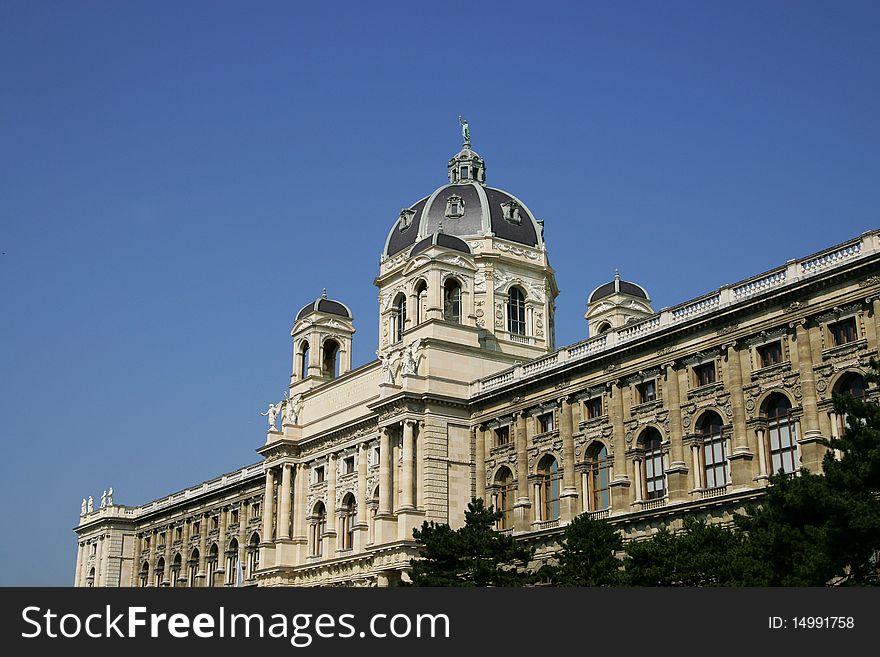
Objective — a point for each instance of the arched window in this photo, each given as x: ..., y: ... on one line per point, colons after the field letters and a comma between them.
x: 399, y: 317
x: 253, y: 555
x: 604, y: 327
x: 349, y: 519
x: 421, y: 301
x: 598, y: 478
x: 548, y: 488
x: 714, y: 451
x: 193, y: 568
x: 145, y: 574
x: 232, y: 562
x: 160, y: 571
x: 213, y: 556
x: 516, y: 311
x: 506, y: 497
x: 655, y: 481
x: 90, y: 580
x: 452, y: 301
x: 851, y: 384
x: 330, y: 361
x: 781, y: 434
x: 304, y: 359
x: 318, y: 527
x: 176, y: 567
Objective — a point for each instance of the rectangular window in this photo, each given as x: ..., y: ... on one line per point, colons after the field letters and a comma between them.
x: 255, y: 510
x: 545, y: 422
x: 196, y: 526
x: 319, y: 474
x: 593, y: 408
x: 844, y: 331
x: 348, y: 465
x: 234, y: 520
x: 770, y: 354
x: 215, y: 522
x: 704, y: 374
x: 502, y: 435
x: 647, y: 391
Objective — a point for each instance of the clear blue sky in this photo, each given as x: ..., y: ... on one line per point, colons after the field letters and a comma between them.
x: 178, y: 179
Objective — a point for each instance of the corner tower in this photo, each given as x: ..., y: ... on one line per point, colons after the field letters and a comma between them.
x: 468, y: 264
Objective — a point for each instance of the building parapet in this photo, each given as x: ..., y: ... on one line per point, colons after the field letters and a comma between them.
x: 792, y: 272
x: 119, y: 511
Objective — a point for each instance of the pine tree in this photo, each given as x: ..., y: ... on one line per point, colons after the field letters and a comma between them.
x: 588, y: 555
x: 474, y: 555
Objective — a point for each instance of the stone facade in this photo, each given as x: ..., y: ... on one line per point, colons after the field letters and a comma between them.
x: 656, y: 415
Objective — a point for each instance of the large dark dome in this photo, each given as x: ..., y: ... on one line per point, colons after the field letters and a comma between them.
x: 466, y: 208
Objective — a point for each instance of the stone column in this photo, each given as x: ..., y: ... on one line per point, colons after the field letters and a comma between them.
x: 267, y: 546
x: 184, y: 550
x: 419, y: 456
x: 222, y: 558
x: 620, y: 483
x: 243, y: 538
x: 79, y: 562
x: 384, y: 530
x: 536, y: 502
x: 480, y: 461
x: 136, y: 564
x: 361, y: 527
x: 695, y: 454
x: 522, y: 506
x: 876, y: 312
x: 407, y: 475
x: 385, y: 471
x: 268, y: 506
x: 676, y: 473
x: 203, y: 550
x: 169, y: 538
x: 300, y: 511
x: 283, y: 522
x: 762, y: 453
x: 568, y: 497
x: 331, y: 530
x: 637, y: 464
x: 435, y: 295
x: 741, y: 458
x: 811, y: 450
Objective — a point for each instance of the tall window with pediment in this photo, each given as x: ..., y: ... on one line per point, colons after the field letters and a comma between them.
x: 598, y: 478
x: 452, y: 301
x: 655, y: 475
x: 516, y: 311
x: 399, y: 319
x: 550, y: 480
x: 781, y: 434
x: 714, y: 450
x: 506, y: 496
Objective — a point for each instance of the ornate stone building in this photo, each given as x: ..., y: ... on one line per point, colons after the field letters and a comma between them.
x: 655, y: 415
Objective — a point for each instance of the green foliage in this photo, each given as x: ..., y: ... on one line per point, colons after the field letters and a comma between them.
x: 475, y: 555
x: 588, y: 556
x: 700, y: 555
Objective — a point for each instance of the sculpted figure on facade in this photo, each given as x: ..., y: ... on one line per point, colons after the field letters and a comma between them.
x: 91, y: 505
x: 411, y: 359
x: 103, y: 499
x: 387, y: 361
x: 292, y: 409
x: 83, y: 509
x: 271, y: 414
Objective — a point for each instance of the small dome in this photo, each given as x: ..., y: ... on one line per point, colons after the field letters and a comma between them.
x: 618, y: 286
x: 441, y: 239
x: 326, y: 306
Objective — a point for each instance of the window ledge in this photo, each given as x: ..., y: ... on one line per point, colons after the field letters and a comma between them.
x: 706, y: 390
x: 771, y: 370
x: 545, y: 434
x: 643, y: 407
x: 500, y: 449
x: 844, y: 349
x: 593, y: 422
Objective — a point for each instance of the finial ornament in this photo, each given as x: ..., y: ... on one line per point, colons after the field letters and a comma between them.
x: 465, y: 130
x: 616, y: 273
x: 324, y: 293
